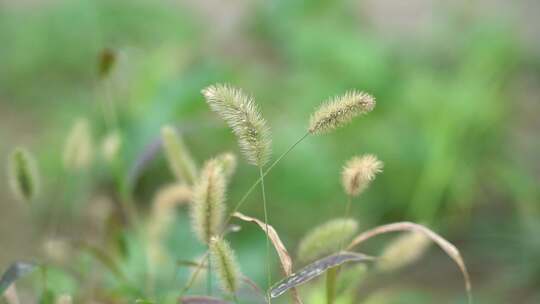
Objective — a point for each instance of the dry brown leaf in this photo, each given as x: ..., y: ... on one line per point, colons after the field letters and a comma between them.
x: 446, y: 246
x: 284, y: 257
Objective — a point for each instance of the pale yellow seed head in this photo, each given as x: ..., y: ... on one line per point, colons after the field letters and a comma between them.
x: 208, y: 206
x: 326, y: 238
x: 57, y: 250
x: 178, y: 156
x: 228, y: 162
x: 359, y: 172
x: 110, y: 146
x: 227, y: 268
x: 78, y: 149
x: 403, y: 251
x: 339, y: 111
x: 164, y: 203
x: 64, y: 299
x: 23, y: 175
x: 243, y: 116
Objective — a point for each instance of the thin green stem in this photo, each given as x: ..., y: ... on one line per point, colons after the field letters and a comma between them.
x: 248, y: 192
x: 195, y: 273
x: 331, y: 278
x: 332, y: 274
x: 268, y: 268
x: 346, y: 215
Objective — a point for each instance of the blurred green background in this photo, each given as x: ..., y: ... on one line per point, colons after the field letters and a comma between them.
x: 456, y: 123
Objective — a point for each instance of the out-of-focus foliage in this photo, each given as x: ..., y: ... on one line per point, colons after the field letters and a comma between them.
x: 455, y: 124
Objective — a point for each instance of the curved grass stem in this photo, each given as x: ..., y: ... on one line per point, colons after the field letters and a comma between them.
x: 268, y: 268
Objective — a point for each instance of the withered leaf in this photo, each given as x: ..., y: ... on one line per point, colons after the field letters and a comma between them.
x: 284, y: 257
x: 446, y: 246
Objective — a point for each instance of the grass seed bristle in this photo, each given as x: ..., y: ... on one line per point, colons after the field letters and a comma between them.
x: 227, y: 268
x: 359, y: 172
x: 326, y: 238
x: 23, y: 175
x: 78, y: 148
x: 228, y: 162
x: 208, y: 206
x: 178, y: 156
x: 404, y: 250
x: 242, y: 115
x: 339, y: 111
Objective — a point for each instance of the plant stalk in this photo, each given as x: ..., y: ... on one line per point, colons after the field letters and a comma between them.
x: 268, y: 268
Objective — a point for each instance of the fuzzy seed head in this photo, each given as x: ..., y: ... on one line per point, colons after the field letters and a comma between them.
x: 23, y: 175
x: 228, y: 163
x: 326, y: 238
x: 403, y: 251
x: 163, y: 208
x: 178, y: 156
x: 227, y: 268
x: 339, y: 111
x: 208, y: 207
x: 78, y: 147
x: 56, y: 250
x: 111, y: 146
x: 64, y: 299
x: 359, y: 172
x: 242, y: 115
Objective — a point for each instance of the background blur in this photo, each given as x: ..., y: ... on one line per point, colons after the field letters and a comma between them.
x: 456, y: 122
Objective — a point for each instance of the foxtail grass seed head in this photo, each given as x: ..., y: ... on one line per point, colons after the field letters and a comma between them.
x: 359, y: 172
x: 326, y: 238
x: 404, y: 250
x: 64, y: 299
x: 227, y: 268
x: 57, y: 250
x: 242, y: 115
x: 78, y: 149
x: 180, y: 161
x: 23, y: 175
x: 110, y: 146
x: 228, y: 163
x: 208, y: 207
x: 339, y: 111
x: 163, y: 208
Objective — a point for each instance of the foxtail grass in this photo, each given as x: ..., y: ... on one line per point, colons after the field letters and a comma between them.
x: 242, y: 115
x: 23, y: 175
x: 326, y: 238
x: 79, y: 147
x: 178, y: 156
x: 339, y: 111
x: 227, y: 269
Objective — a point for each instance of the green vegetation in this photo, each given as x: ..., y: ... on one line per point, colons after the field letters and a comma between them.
x: 455, y: 125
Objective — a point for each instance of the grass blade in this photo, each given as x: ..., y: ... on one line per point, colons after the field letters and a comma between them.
x: 446, y: 246
x: 315, y: 270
